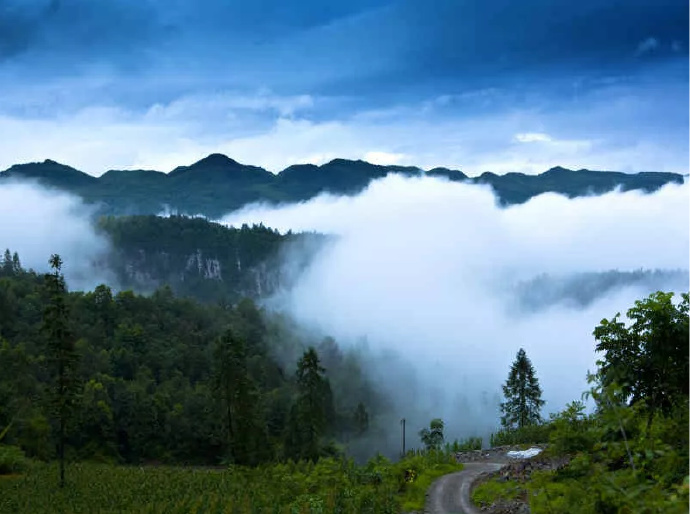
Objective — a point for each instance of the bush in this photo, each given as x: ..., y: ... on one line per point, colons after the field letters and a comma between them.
x: 12, y: 460
x: 495, y: 489
x: 530, y: 434
x: 464, y: 445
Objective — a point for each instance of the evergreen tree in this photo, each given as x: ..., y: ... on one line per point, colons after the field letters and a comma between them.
x: 7, y: 267
x: 16, y: 263
x: 360, y: 419
x: 522, y: 393
x: 61, y: 351
x: 247, y: 440
x: 309, y: 416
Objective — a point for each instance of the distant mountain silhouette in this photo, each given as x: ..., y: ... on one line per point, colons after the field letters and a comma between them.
x: 217, y: 184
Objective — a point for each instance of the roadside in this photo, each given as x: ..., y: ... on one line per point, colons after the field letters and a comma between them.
x: 451, y: 494
x: 504, y: 491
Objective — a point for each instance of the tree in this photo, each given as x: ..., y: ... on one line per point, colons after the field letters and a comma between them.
x: 522, y: 393
x: 360, y: 419
x: 308, y: 419
x: 432, y: 437
x: 648, y: 360
x: 61, y: 351
x: 247, y: 438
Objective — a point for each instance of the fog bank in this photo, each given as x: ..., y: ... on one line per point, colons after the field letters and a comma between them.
x: 38, y: 222
x: 428, y: 272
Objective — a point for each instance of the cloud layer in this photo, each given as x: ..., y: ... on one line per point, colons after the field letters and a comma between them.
x: 38, y: 223
x: 425, y: 270
x: 459, y: 84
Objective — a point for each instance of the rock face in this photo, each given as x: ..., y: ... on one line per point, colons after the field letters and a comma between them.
x: 208, y: 268
x: 201, y: 259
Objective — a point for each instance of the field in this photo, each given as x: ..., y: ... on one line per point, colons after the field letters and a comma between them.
x: 330, y: 486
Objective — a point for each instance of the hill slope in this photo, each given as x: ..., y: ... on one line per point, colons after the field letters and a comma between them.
x: 217, y: 184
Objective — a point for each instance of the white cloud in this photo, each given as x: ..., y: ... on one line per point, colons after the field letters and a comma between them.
x: 424, y: 268
x: 532, y: 137
x: 41, y: 222
x: 273, y: 131
x: 385, y: 158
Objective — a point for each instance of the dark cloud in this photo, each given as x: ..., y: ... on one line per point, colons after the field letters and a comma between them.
x: 357, y: 46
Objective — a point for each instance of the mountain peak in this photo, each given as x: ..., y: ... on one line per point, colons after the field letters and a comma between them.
x: 558, y: 169
x: 216, y: 159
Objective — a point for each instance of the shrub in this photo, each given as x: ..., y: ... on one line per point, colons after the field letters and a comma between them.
x: 12, y: 459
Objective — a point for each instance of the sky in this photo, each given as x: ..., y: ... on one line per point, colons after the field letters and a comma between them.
x: 474, y: 85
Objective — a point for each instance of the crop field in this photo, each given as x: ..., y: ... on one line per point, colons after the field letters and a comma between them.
x: 330, y: 486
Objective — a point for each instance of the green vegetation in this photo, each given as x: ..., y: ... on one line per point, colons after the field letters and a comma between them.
x: 494, y: 490
x: 464, y: 445
x: 328, y: 486
x: 165, y: 379
x: 200, y: 259
x: 522, y: 393
x: 432, y: 437
x: 530, y: 434
x: 419, y: 470
x: 631, y: 453
x: 217, y: 184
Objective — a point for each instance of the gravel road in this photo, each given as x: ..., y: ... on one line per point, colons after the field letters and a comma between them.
x: 450, y: 494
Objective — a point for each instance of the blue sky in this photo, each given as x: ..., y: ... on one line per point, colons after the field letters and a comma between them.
x: 475, y: 85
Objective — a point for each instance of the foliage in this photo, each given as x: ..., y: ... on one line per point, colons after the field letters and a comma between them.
x: 312, y: 413
x: 148, y: 373
x: 432, y: 437
x: 247, y: 439
x: 418, y: 470
x: 464, y: 445
x: 649, y: 358
x: 495, y: 489
x: 631, y: 453
x: 200, y: 259
x: 12, y: 459
x: 328, y: 486
x: 61, y: 353
x: 522, y: 393
x: 530, y: 434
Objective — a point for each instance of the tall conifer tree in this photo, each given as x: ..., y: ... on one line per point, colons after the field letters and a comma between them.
x: 522, y: 394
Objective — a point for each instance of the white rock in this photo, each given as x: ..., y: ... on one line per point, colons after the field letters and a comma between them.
x: 524, y: 454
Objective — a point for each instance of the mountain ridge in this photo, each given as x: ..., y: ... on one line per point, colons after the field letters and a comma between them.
x: 218, y: 184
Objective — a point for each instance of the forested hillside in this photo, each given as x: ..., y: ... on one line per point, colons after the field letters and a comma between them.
x: 217, y: 184
x: 166, y: 379
x: 201, y: 259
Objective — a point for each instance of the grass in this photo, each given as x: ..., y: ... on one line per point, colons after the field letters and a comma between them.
x: 330, y: 486
x: 421, y: 471
x: 496, y: 489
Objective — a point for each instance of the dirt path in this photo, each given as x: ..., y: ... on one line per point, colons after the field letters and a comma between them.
x: 450, y: 494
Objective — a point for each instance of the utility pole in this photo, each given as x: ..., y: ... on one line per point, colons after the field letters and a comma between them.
x: 402, y: 423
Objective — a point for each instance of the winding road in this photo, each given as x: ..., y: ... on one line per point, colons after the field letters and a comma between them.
x: 450, y: 494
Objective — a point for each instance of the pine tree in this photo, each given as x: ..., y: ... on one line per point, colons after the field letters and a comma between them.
x: 360, y: 419
x: 247, y: 439
x: 309, y: 416
x: 522, y: 393
x: 62, y: 353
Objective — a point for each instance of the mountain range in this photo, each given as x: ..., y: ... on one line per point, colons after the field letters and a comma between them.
x: 217, y: 184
